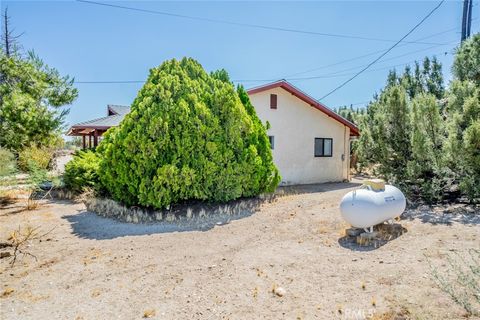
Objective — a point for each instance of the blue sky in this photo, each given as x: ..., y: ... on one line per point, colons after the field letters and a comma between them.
x: 98, y: 43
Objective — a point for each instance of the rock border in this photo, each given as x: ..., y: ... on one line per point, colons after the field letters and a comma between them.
x: 180, y: 214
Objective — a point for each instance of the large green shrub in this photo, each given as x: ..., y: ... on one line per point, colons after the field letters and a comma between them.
x: 82, y: 171
x: 189, y: 135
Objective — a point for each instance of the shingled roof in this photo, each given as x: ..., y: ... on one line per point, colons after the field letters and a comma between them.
x: 116, y: 109
x: 115, y: 115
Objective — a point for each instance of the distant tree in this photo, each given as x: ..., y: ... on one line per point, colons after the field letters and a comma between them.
x: 32, y: 96
x: 426, y: 78
x: 10, y: 43
x: 351, y: 114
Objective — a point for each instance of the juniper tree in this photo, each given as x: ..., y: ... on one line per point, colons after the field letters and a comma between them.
x: 189, y: 136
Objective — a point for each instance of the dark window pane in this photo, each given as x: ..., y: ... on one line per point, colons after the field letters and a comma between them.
x: 273, y: 101
x: 323, y: 147
x: 272, y: 142
x: 318, y: 147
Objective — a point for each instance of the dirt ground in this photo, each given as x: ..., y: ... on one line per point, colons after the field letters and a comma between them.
x: 90, y: 267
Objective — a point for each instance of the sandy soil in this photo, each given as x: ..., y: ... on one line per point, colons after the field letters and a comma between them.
x: 89, y: 267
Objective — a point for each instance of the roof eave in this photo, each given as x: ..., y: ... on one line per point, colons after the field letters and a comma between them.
x: 307, y: 99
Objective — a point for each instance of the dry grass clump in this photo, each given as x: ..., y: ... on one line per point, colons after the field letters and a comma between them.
x: 401, y: 314
x: 460, y: 279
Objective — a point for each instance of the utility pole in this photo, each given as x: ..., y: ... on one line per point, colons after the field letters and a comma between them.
x: 466, y: 19
x: 469, y: 22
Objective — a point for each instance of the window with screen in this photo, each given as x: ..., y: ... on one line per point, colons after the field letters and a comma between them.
x: 323, y: 147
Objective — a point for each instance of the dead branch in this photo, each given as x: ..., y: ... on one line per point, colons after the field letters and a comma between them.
x: 20, y: 241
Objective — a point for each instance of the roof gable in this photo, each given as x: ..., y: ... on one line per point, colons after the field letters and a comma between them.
x: 116, y: 109
x: 307, y: 99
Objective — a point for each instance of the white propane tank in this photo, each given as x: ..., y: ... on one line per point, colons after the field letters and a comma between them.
x: 372, y: 204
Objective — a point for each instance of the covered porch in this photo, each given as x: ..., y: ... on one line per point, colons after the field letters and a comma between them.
x: 90, y: 136
x: 93, y: 130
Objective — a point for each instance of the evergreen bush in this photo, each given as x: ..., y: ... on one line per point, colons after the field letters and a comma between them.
x: 189, y: 136
x: 82, y: 171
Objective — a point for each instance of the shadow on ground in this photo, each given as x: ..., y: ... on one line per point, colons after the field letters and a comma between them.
x: 385, y: 234
x: 315, y: 188
x: 89, y: 225
x: 445, y: 214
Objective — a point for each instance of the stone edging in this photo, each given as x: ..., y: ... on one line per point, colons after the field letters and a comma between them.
x: 184, y: 214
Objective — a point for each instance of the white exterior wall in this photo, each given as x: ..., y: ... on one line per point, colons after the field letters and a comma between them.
x: 295, y: 125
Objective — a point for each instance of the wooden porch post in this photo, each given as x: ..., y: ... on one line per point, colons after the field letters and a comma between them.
x: 95, y: 138
x: 84, y: 142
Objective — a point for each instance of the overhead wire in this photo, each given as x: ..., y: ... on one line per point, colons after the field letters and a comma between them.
x: 384, y: 53
x: 243, y: 24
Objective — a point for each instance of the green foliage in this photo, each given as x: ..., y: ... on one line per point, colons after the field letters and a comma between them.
x: 36, y: 176
x: 427, y: 136
x: 425, y: 78
x: 467, y: 61
x: 385, y: 134
x: 31, y: 99
x: 82, y: 171
x: 8, y: 164
x: 423, y: 138
x: 37, y: 157
x: 470, y: 181
x: 189, y: 135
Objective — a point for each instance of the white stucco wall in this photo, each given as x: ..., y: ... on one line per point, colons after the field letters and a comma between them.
x: 295, y: 125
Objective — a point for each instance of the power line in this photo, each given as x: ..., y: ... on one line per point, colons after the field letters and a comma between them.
x: 385, y: 53
x: 249, y: 25
x: 353, y: 68
x: 324, y: 76
x: 339, y: 73
x: 369, y: 54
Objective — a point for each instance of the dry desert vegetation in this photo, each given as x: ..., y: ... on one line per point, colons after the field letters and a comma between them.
x: 291, y: 259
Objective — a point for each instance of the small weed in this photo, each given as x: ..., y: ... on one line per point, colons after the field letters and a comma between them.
x: 7, y: 292
x: 460, y: 279
x: 149, y: 313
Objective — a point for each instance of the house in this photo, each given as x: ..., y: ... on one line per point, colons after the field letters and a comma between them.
x: 94, y: 129
x: 310, y: 142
